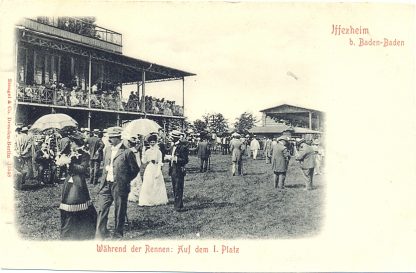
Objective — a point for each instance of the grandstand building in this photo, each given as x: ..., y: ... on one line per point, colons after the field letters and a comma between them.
x: 298, y: 121
x: 70, y: 65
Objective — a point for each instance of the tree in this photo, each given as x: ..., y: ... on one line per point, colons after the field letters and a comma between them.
x: 199, y: 126
x: 216, y: 123
x: 177, y: 124
x: 245, y: 122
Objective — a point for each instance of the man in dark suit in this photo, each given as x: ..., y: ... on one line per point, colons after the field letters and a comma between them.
x: 95, y: 146
x: 178, y: 158
x: 120, y: 167
x: 203, y: 153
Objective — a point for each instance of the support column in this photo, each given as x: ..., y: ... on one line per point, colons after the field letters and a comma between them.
x: 59, y: 70
x: 183, y: 95
x: 118, y: 119
x: 89, y: 93
x: 89, y: 121
x: 310, y: 120
x: 318, y: 122
x: 139, y: 101
x: 34, y: 67
x: 183, y: 103
x: 164, y: 130
x: 143, y: 92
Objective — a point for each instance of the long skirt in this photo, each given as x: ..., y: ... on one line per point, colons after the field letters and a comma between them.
x: 153, y: 191
x: 135, y: 186
x: 78, y: 225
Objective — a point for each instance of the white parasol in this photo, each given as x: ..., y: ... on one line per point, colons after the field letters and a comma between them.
x: 141, y: 127
x: 54, y: 121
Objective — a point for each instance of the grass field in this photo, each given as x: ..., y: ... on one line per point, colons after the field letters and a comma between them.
x: 218, y: 206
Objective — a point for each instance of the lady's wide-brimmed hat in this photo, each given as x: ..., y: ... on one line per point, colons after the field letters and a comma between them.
x: 151, y: 137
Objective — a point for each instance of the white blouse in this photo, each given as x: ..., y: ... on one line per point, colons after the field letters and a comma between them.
x: 153, y: 153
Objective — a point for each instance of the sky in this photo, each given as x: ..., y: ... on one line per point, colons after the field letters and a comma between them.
x: 241, y: 53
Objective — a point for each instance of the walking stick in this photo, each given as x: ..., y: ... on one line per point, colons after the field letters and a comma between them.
x: 209, y: 162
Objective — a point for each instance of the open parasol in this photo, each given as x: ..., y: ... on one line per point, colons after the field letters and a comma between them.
x: 141, y: 127
x: 54, y: 121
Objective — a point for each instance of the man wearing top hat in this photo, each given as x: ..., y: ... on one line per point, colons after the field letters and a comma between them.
x: 178, y: 158
x: 95, y: 147
x: 120, y: 167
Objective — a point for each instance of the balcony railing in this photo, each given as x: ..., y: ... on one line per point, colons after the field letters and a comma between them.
x: 59, y: 97
x: 77, y: 30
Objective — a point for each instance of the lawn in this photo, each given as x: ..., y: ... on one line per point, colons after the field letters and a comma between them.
x: 218, y: 206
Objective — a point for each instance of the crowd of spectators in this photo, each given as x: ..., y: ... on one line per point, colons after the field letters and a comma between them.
x: 154, y: 105
x: 103, y: 96
x: 84, y: 26
x: 293, y: 123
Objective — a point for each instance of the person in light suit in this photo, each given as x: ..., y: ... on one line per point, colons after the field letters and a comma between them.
x: 280, y: 161
x: 120, y: 167
x: 254, y: 147
x: 237, y: 150
x: 306, y: 157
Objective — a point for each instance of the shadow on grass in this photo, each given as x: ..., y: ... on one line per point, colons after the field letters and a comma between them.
x: 255, y: 173
x: 145, y: 224
x: 32, y: 187
x: 218, y: 171
x: 208, y: 205
x: 295, y: 186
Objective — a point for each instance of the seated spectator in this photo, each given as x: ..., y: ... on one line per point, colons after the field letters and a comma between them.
x: 117, y: 101
x: 74, y: 101
x: 105, y: 100
x: 60, y: 97
x: 20, y: 91
x: 94, y: 100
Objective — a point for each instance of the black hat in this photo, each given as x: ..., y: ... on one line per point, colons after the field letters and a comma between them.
x: 77, y: 138
x: 151, y: 138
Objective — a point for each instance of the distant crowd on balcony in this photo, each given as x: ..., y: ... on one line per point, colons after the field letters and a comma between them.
x: 154, y: 105
x: 104, y: 95
x: 85, y: 27
x: 297, y: 123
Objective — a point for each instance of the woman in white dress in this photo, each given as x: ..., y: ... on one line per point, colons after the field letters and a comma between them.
x: 136, y: 183
x: 153, y: 191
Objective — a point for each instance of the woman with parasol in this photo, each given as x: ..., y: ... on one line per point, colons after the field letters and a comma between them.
x: 78, y: 215
x: 153, y: 191
x: 136, y: 183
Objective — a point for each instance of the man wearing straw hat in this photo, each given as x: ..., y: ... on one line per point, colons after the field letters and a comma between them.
x: 177, y: 158
x: 120, y: 167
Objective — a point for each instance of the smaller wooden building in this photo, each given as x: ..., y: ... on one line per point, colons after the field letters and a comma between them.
x: 290, y: 119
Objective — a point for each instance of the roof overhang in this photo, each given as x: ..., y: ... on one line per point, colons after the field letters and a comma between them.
x: 133, y: 67
x: 280, y: 129
x: 287, y: 108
